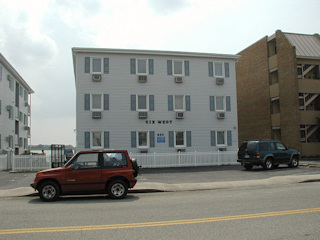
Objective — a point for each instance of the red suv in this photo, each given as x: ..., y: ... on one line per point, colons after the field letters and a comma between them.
x: 105, y: 171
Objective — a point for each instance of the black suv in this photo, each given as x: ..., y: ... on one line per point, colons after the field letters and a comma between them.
x: 267, y: 153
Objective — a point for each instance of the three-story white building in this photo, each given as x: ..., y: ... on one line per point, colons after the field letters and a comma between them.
x: 15, y: 110
x: 155, y: 101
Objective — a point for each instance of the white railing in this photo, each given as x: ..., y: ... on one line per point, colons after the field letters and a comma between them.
x: 30, y: 162
x: 146, y: 160
x: 185, y: 159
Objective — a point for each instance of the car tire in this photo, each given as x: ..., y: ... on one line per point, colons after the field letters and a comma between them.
x: 294, y: 162
x: 268, y: 164
x: 248, y: 166
x: 117, y: 189
x: 49, y: 191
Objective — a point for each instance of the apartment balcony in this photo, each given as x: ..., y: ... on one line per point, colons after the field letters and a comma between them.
x: 274, y: 90
x: 309, y: 85
x: 275, y: 120
x: 309, y: 117
x: 273, y: 62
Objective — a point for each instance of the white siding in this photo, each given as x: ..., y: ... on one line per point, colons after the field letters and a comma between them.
x: 120, y: 85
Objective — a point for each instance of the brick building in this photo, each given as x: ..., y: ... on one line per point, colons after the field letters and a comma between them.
x: 278, y: 87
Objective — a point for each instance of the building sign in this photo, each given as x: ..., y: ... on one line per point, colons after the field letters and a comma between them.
x: 158, y: 121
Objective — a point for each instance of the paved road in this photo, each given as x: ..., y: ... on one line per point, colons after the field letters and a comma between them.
x: 272, y: 212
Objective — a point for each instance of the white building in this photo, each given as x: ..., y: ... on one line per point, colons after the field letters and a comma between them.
x: 155, y: 101
x: 15, y: 109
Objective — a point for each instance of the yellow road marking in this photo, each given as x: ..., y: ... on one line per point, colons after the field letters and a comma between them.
x: 156, y: 224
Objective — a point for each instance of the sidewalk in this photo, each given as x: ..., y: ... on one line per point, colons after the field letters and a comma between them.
x: 146, y: 185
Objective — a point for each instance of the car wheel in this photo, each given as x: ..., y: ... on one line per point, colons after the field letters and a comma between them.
x: 248, y: 166
x: 117, y: 189
x: 268, y: 164
x: 294, y: 162
x: 49, y: 191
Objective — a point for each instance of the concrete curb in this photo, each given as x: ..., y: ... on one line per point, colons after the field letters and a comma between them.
x: 146, y: 187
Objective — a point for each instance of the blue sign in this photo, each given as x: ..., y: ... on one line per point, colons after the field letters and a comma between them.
x: 161, y: 139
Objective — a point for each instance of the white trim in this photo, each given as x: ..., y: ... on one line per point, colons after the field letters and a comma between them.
x: 182, y: 68
x: 183, y: 103
x: 223, y: 101
x: 184, y: 139
x: 215, y: 70
x: 148, y: 140
x: 137, y: 103
x: 101, y: 141
x: 225, y: 138
x: 91, y: 102
x: 101, y: 61
x: 147, y: 67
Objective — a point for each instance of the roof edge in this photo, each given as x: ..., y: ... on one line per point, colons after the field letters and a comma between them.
x: 14, y: 72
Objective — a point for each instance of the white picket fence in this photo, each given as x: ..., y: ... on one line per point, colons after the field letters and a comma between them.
x: 185, y: 159
x: 145, y: 160
x: 24, y: 162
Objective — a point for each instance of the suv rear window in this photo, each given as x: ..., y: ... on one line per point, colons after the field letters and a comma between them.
x: 251, y: 146
x: 243, y: 147
x: 263, y: 146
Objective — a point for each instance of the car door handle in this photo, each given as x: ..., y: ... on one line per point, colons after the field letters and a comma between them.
x: 71, y: 180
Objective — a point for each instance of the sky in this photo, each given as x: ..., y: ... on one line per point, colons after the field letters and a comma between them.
x: 36, y: 37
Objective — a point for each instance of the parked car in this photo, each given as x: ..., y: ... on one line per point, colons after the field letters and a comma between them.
x: 111, y: 172
x: 267, y: 153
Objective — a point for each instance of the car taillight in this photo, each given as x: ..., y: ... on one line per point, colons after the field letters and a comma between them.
x: 258, y: 155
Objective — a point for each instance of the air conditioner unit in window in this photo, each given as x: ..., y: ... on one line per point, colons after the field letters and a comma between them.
x: 180, y: 115
x: 221, y: 115
x: 219, y: 81
x: 142, y: 79
x: 26, y: 128
x: 143, y: 115
x: 26, y: 104
x: 96, y: 77
x: 178, y: 79
x: 96, y: 115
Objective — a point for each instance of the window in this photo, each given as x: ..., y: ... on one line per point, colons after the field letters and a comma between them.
x: 221, y: 139
x: 25, y: 96
x: 96, y: 100
x: 21, y: 91
x: 114, y: 160
x: 180, y: 139
x: 218, y: 67
x: 142, y: 103
x: 143, y: 139
x: 96, y: 140
x: 85, y: 161
x: 179, y: 103
x: 96, y: 65
x: 178, y: 67
x: 263, y: 146
x: 142, y: 66
x: 220, y: 104
x: 280, y: 146
x: 25, y: 120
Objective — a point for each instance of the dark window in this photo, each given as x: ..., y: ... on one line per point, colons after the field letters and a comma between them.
x: 85, y: 161
x: 252, y: 146
x: 243, y: 147
x: 263, y: 146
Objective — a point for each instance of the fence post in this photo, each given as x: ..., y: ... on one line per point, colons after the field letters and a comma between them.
x: 195, y: 158
x: 13, y: 162
x: 218, y: 157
